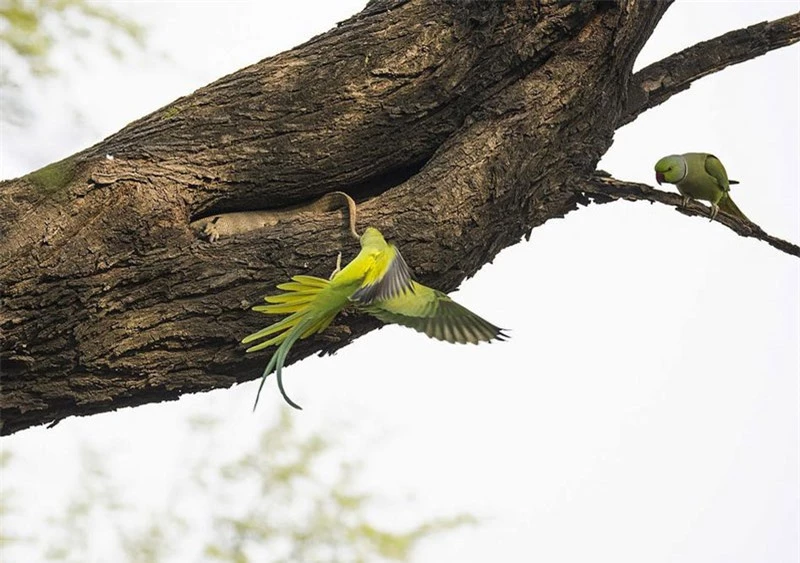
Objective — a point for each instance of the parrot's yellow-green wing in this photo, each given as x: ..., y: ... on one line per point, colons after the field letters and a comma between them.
x: 388, y: 276
x: 433, y: 313
x: 716, y: 170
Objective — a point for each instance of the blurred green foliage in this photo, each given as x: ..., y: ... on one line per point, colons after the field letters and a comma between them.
x: 6, y: 539
x: 292, y: 498
x: 31, y: 30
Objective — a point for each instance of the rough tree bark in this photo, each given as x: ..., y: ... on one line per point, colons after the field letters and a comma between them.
x: 458, y: 126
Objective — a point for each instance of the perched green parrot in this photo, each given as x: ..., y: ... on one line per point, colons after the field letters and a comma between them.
x: 699, y: 175
x: 379, y: 282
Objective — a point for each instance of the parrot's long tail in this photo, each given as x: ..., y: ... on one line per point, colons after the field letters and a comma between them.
x: 308, y: 316
x: 279, y: 358
x: 731, y: 208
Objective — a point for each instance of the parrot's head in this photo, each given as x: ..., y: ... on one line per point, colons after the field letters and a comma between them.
x: 671, y: 169
x: 372, y: 238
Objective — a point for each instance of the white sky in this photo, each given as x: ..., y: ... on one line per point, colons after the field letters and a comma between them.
x: 646, y: 406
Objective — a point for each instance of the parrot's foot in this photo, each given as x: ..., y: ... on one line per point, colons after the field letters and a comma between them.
x: 338, y: 266
x: 685, y: 201
x: 714, y: 211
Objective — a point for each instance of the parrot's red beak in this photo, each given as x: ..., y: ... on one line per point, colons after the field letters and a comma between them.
x: 659, y: 177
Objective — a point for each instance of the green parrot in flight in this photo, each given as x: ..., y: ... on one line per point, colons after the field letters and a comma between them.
x: 699, y: 175
x: 377, y: 281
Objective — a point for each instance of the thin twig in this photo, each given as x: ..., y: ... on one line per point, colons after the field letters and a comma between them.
x: 605, y: 189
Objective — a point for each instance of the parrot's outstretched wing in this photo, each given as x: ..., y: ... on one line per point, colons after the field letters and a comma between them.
x: 388, y: 277
x: 433, y: 313
x: 716, y: 170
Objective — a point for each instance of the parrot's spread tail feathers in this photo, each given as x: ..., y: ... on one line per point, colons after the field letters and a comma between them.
x: 299, y: 300
x: 727, y: 206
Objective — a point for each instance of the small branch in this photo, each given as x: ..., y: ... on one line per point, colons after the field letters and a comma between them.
x: 655, y: 84
x: 605, y: 189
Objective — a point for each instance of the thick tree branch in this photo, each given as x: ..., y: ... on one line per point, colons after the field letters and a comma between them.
x: 440, y: 118
x: 605, y: 189
x: 658, y: 82
x: 458, y: 126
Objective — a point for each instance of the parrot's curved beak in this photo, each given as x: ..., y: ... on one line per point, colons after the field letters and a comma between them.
x: 659, y: 177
